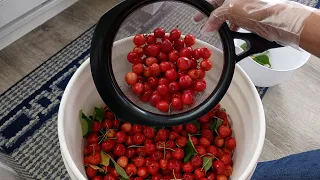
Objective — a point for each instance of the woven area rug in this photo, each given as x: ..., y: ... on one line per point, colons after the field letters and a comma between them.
x: 28, y: 110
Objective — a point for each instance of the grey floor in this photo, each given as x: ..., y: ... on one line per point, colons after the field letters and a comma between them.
x: 292, y: 109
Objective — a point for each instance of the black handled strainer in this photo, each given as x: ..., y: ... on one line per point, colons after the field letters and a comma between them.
x: 109, y: 64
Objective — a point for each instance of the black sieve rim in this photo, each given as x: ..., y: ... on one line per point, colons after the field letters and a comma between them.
x: 112, y: 95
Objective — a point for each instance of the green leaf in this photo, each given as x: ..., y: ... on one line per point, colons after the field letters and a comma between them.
x: 96, y: 168
x: 105, y: 160
x: 244, y: 46
x: 99, y: 114
x: 189, y: 150
x: 86, y: 124
x: 206, y: 163
x: 262, y: 59
x: 216, y: 123
x: 119, y: 169
x: 197, y: 124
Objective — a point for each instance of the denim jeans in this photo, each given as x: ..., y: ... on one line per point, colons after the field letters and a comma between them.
x: 304, y: 165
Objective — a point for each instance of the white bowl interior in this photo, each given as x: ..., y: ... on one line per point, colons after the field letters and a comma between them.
x: 242, y: 102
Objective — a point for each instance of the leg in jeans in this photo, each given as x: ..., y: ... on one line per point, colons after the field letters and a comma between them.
x: 305, y: 165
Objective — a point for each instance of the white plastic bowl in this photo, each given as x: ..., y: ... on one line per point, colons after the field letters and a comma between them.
x: 241, y: 101
x: 284, y: 62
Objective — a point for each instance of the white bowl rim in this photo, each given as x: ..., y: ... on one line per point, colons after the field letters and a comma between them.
x: 63, y: 103
x: 281, y: 70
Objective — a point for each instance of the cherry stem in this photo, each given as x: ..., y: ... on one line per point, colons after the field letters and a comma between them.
x: 217, y: 132
x: 130, y: 174
x: 174, y: 175
x: 165, y: 148
x: 94, y: 151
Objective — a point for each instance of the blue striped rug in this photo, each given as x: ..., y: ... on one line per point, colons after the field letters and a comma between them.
x: 28, y: 110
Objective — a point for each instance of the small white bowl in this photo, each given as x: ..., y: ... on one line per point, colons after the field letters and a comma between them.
x: 284, y: 61
x: 241, y: 101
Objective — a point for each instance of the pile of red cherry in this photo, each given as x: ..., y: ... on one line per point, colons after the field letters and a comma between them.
x: 202, y: 149
x: 166, y: 71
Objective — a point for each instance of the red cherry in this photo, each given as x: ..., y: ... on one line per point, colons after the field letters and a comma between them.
x: 150, y: 148
x: 162, y: 89
x: 202, y: 74
x: 139, y: 161
x: 140, y: 79
x: 213, y: 150
x: 93, y: 147
x: 156, y: 177
x: 154, y: 99
x: 108, y: 145
x: 134, y: 58
x: 199, y: 173
x: 174, y: 87
x: 225, y: 158
x: 193, y: 63
x: 121, y: 137
x: 186, y: 52
x: 176, y: 104
x: 174, y: 56
x: 230, y: 143
x: 138, y: 50
x: 183, y: 63
x: 177, y: 128
x: 201, y: 150
x: 151, y: 60
x: 148, y: 161
x: 173, y: 135
x: 97, y: 178
x: 224, y: 131
x: 151, y: 39
x: 142, y: 172
x: 205, y: 53
x: 181, y: 141
x: 145, y: 96
x: 139, y: 39
x: 163, y: 57
x: 206, y: 64
x: 141, y: 151
x: 131, y: 78
x: 164, y: 66
x: 228, y: 170
x: 165, y: 37
x: 96, y: 126
x: 204, y: 142
x: 174, y: 165
x: 185, y: 81
x: 171, y: 74
x: 163, y: 135
x: 178, y: 44
x: 155, y: 69
x: 131, y: 170
x: 219, y: 166
x: 168, y: 155
x: 194, y: 140
x: 116, y: 123
x: 211, y: 176
x: 152, y: 50
x: 166, y: 46
x: 156, y: 156
x: 177, y: 95
x: 191, y: 128
x: 129, y: 141
x: 109, y: 177
x: 159, y: 32
x: 182, y: 73
x: 93, y: 138
x: 196, y: 53
x: 178, y: 153
x: 196, y: 161
x: 187, y: 167
x: 119, y: 150
x: 163, y: 106
x: 163, y: 81
x: 137, y: 88
x: 107, y: 123
x: 149, y: 132
x: 175, y: 34
x: 138, y: 138
x: 94, y: 159
x: 138, y: 68
x: 172, y: 65
x: 163, y: 164
x: 199, y: 86
x: 187, y: 98
x: 91, y: 172
x: 188, y: 176
x: 147, y: 86
x: 130, y: 153
x: 148, y: 140
x: 122, y: 161
x: 218, y: 141
x: 207, y: 133
x: 189, y: 40
x: 136, y: 128
x: 153, y: 168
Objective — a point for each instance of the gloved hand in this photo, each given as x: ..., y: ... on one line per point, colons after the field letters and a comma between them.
x: 276, y: 20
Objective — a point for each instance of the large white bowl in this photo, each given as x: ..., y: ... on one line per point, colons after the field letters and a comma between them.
x: 241, y: 101
x: 284, y: 62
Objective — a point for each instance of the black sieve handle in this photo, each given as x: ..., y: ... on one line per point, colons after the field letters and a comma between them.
x: 255, y: 44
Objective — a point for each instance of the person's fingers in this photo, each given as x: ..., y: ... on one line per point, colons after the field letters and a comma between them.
x: 216, y: 19
x: 200, y: 16
x: 234, y: 27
